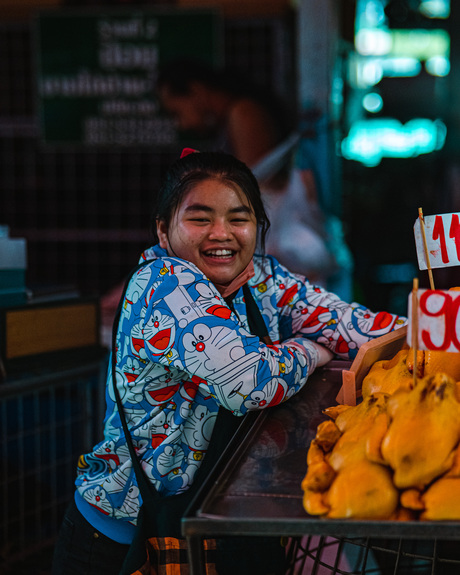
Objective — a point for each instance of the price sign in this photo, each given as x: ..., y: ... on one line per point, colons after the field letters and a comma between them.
x: 442, y: 233
x: 438, y: 320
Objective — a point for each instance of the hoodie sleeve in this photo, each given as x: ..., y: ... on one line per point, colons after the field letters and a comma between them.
x: 309, y: 311
x: 188, y: 326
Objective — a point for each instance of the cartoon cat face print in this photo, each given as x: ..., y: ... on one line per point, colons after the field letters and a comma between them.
x: 107, y: 453
x: 366, y: 323
x: 137, y: 288
x: 167, y: 457
x: 211, y: 302
x: 272, y: 394
x: 310, y: 319
x: 287, y: 289
x: 198, y: 428
x: 132, y: 370
x: 131, y: 393
x: 160, y: 387
x: 130, y: 506
x: 116, y: 481
x: 285, y: 364
x: 137, y: 339
x: 96, y: 496
x: 159, y: 426
x: 208, y: 349
x: 159, y: 332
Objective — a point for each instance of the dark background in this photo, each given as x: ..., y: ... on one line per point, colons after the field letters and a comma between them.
x: 85, y: 212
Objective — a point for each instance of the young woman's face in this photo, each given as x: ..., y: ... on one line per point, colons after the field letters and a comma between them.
x: 215, y: 228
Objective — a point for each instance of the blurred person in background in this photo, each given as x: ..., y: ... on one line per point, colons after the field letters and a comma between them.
x: 226, y: 109
x: 281, y: 150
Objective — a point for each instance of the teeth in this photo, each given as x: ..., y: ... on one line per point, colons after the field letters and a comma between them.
x: 220, y: 253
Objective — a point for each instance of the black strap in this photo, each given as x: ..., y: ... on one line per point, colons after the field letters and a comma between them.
x: 142, y: 481
x: 226, y: 423
x: 255, y: 320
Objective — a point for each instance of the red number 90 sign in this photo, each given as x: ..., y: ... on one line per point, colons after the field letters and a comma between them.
x: 438, y: 320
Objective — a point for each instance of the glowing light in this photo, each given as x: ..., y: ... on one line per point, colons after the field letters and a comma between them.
x: 421, y: 44
x: 415, y: 43
x: 437, y: 66
x: 373, y: 42
x: 371, y: 140
x: 371, y: 72
x: 435, y: 8
x: 370, y: 13
x: 397, y: 67
x: 373, y: 102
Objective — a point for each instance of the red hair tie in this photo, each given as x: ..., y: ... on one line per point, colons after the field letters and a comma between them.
x: 187, y: 151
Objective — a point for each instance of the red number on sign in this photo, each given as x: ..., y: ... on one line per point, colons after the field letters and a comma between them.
x: 444, y: 310
x: 454, y: 233
x: 453, y: 319
x: 438, y: 233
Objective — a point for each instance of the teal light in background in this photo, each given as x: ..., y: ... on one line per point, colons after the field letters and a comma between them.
x: 373, y: 41
x: 400, y: 66
x: 371, y: 140
x: 435, y: 8
x: 437, y: 66
x: 369, y: 71
x: 373, y: 102
x: 419, y: 43
x: 415, y: 43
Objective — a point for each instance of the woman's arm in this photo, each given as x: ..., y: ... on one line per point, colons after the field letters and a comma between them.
x: 189, y: 327
x: 312, y: 312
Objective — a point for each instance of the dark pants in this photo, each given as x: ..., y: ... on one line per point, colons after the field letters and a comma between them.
x: 250, y: 556
x: 82, y: 550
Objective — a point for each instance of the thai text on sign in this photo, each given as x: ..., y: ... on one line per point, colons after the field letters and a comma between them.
x: 442, y: 234
x: 438, y: 320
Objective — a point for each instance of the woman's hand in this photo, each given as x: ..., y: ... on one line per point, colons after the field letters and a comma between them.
x: 324, y: 355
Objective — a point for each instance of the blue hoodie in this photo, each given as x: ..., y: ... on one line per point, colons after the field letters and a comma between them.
x: 181, y: 352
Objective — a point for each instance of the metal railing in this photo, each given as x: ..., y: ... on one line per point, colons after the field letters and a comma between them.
x: 46, y: 423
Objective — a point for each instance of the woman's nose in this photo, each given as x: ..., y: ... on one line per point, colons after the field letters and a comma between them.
x: 219, y: 230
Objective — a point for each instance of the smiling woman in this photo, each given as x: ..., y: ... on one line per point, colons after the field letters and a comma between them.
x: 215, y: 228
x: 208, y: 331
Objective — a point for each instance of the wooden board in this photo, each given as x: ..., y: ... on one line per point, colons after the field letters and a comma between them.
x: 384, y: 347
x: 35, y: 331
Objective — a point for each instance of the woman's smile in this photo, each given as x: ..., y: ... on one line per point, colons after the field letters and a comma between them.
x: 215, y: 228
x: 219, y: 253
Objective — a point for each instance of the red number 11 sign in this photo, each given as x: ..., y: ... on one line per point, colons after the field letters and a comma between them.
x: 442, y: 234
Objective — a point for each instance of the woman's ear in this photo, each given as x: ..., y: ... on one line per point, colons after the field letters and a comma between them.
x: 162, y: 233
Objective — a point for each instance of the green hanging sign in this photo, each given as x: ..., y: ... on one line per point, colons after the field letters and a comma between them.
x: 96, y: 72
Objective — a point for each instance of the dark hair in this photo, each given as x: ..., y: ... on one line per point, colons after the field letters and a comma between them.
x: 186, y: 172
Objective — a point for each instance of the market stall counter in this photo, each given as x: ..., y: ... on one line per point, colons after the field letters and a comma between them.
x: 255, y: 489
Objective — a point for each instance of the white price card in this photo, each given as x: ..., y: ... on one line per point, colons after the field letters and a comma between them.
x: 438, y: 320
x: 442, y: 233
